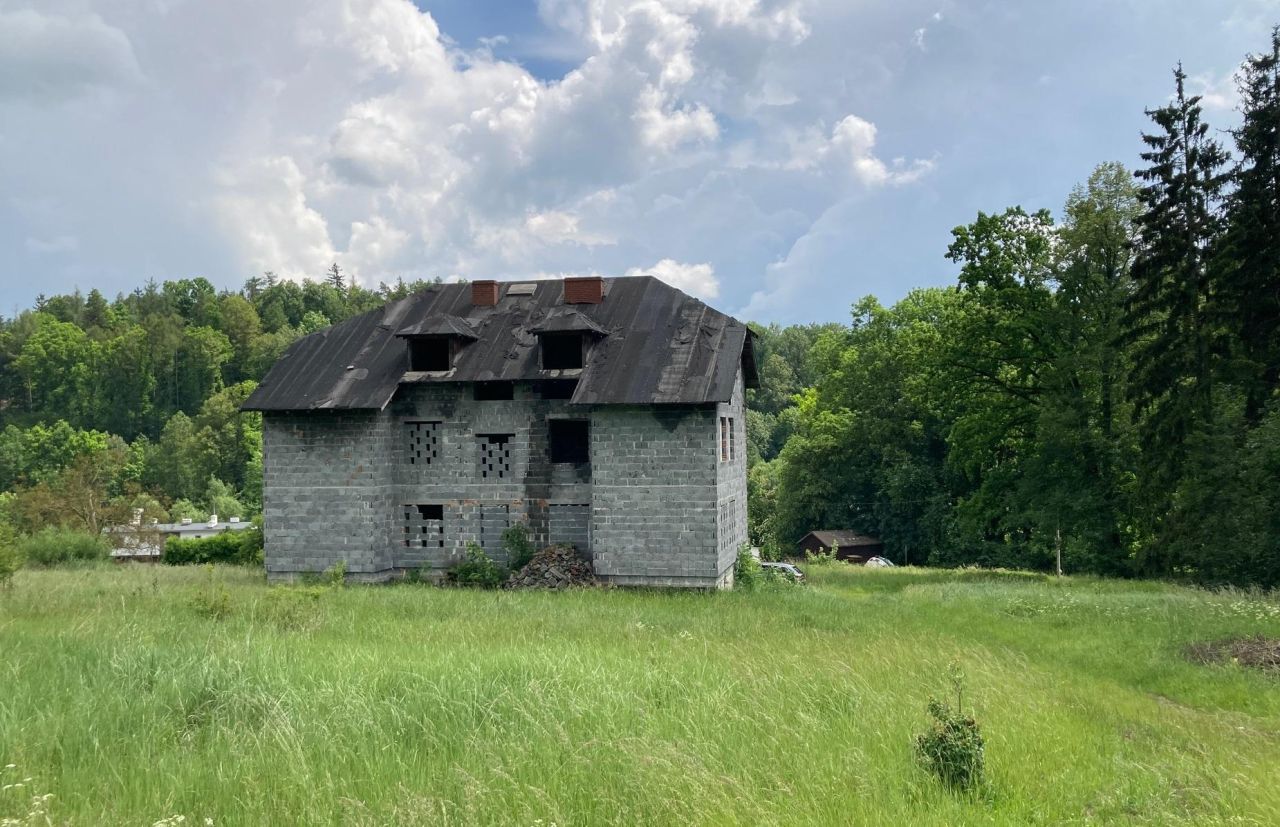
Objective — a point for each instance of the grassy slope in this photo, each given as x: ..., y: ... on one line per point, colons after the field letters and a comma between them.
x: 417, y: 705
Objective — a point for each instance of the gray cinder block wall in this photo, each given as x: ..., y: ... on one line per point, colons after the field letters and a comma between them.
x: 657, y: 505
x: 326, y: 493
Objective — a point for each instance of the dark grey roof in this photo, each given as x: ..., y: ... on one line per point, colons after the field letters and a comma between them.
x: 842, y: 539
x: 439, y: 325
x: 567, y: 320
x: 653, y: 345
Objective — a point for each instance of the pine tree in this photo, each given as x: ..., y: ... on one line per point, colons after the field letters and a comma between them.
x: 334, y: 276
x: 1173, y: 318
x: 1252, y: 248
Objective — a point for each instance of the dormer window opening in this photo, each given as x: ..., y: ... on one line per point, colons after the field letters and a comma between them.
x: 430, y: 354
x: 561, y: 351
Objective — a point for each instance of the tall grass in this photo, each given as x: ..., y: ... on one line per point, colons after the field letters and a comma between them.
x: 129, y: 701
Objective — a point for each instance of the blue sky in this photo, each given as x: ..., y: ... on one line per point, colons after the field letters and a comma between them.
x: 780, y: 158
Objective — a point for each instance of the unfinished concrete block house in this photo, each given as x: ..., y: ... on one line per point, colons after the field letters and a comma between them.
x: 602, y: 413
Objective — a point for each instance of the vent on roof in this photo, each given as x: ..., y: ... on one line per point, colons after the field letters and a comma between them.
x: 524, y: 288
x: 584, y: 290
x: 484, y: 293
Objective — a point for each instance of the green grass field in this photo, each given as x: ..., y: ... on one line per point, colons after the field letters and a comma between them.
x: 131, y: 697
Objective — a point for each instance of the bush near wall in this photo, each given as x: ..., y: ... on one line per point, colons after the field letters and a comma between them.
x: 55, y: 546
x: 234, y: 547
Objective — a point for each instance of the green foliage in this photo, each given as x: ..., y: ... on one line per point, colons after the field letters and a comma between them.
x: 242, y: 548
x: 518, y: 545
x: 1250, y: 252
x: 212, y: 598
x: 1173, y: 319
x: 952, y: 748
x: 292, y: 608
x: 820, y: 558
x: 55, y: 546
x: 184, y: 509
x: 747, y: 573
x: 477, y: 570
x: 11, y: 556
x: 219, y: 499
x: 336, y: 575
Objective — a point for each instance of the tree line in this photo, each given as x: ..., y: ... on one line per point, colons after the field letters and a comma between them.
x: 1097, y: 392
x: 109, y: 406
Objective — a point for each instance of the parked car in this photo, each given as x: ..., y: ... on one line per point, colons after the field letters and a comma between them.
x: 880, y: 562
x: 785, y: 569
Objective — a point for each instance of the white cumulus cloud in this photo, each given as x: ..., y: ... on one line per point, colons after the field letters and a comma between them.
x: 292, y: 134
x: 695, y: 279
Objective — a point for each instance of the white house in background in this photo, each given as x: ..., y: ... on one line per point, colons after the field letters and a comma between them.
x: 145, y: 543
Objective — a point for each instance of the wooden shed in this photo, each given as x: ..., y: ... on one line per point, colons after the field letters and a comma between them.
x: 850, y: 546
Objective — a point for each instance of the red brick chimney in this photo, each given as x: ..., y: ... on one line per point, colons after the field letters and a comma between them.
x: 584, y: 290
x: 484, y: 293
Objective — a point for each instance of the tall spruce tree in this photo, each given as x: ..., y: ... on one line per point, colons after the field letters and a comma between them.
x: 1252, y: 249
x: 1173, y: 317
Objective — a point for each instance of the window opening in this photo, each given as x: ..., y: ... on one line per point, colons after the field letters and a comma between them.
x: 731, y: 440
x: 424, y: 442
x: 431, y: 354
x: 561, y: 351
x: 495, y: 391
x: 724, y: 439
x: 570, y: 440
x: 424, y: 526
x: 557, y: 388
x: 495, y: 456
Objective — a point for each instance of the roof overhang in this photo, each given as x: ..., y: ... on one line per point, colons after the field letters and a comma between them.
x: 567, y: 320
x: 437, y: 326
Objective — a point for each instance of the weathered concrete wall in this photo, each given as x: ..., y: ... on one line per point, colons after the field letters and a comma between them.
x: 654, y: 489
x: 478, y: 504
x: 326, y: 496
x: 731, y: 479
x: 649, y: 508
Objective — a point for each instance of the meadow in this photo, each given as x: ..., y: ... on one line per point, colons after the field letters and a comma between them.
x: 139, y: 695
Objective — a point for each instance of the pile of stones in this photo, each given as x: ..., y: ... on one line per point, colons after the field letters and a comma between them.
x: 557, y: 567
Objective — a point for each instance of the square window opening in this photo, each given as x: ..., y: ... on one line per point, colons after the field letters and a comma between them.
x: 495, y: 391
x: 430, y: 355
x: 557, y: 388
x: 561, y: 351
x: 570, y: 440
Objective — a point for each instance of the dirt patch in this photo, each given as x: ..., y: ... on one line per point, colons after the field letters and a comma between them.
x: 1255, y: 652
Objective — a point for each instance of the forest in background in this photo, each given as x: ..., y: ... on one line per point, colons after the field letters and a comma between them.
x: 1098, y: 389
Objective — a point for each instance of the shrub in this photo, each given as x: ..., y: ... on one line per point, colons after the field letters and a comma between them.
x: 213, y: 598
x: 293, y: 608
x: 10, y: 556
x: 747, y: 573
x: 952, y: 747
x: 820, y: 559
x: 56, y: 546
x: 336, y: 575
x: 233, y: 547
x: 519, y: 547
x: 477, y: 570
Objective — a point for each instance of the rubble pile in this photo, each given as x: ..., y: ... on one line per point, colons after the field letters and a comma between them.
x: 556, y: 567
